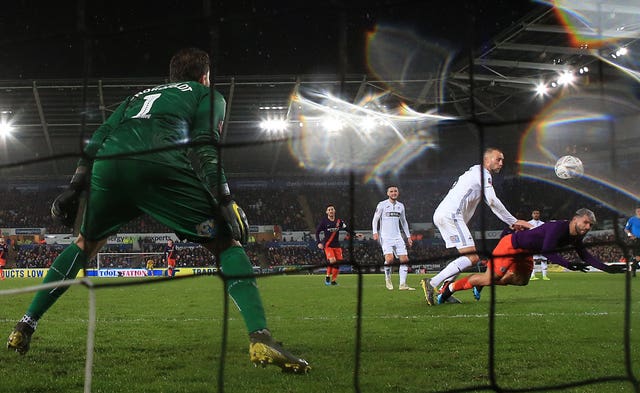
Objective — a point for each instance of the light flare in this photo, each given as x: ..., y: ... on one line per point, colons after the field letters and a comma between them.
x: 373, y: 137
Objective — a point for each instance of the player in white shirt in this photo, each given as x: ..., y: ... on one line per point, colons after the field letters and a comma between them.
x: 541, y: 259
x: 389, y: 216
x: 455, y: 211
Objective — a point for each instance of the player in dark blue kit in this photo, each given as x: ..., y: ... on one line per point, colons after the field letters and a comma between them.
x: 330, y: 226
x: 512, y: 259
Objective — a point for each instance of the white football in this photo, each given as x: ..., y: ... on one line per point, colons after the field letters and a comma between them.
x: 568, y: 167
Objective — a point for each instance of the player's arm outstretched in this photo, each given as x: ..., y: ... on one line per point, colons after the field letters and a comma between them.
x: 549, y: 247
x: 498, y: 208
x: 586, y: 259
x: 590, y: 259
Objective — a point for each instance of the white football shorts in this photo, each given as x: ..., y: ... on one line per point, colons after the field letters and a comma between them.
x: 393, y: 246
x: 454, y: 230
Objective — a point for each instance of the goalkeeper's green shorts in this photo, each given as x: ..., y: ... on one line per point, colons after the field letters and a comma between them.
x: 124, y: 189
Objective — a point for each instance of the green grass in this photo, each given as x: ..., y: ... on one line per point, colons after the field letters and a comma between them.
x: 166, y: 337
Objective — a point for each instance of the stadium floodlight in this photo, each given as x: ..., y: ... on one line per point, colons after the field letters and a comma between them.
x: 5, y: 128
x: 622, y: 52
x: 274, y: 125
x: 272, y: 108
x: 541, y: 89
x: 5, y: 123
x: 566, y: 78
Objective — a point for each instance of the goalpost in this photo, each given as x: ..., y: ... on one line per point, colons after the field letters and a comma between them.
x: 128, y: 260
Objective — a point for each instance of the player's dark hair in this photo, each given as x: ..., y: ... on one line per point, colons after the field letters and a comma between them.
x: 329, y: 205
x: 391, y: 186
x: 188, y: 64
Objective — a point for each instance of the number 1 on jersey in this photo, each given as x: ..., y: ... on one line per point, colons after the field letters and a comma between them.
x: 146, y: 106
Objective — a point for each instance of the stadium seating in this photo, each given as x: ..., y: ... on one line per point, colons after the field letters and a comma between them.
x: 29, y: 207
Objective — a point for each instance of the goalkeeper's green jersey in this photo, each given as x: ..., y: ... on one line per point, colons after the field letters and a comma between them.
x: 166, y: 116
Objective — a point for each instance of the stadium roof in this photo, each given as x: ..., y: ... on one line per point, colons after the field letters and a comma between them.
x: 497, y: 89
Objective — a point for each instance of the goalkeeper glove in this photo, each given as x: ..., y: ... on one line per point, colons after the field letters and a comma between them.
x: 578, y: 266
x: 64, y: 208
x: 235, y: 217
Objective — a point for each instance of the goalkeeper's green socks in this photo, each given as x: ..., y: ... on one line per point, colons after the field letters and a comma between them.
x: 65, y: 267
x: 244, y: 291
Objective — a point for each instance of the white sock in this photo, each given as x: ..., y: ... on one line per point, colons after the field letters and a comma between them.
x: 387, y: 272
x: 543, y: 266
x: 404, y: 271
x: 452, y: 269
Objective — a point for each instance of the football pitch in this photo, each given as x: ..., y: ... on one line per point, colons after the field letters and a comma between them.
x: 167, y: 337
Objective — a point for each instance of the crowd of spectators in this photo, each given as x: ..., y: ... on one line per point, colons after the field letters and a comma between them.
x: 31, y: 208
x: 276, y: 205
x: 296, y: 206
x: 606, y: 248
x: 276, y: 254
x: 36, y: 255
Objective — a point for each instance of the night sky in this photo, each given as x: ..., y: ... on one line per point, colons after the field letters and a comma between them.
x: 136, y: 39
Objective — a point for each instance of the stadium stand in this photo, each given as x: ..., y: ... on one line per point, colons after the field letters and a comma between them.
x: 28, y: 207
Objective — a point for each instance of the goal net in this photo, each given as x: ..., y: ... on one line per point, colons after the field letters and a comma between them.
x: 128, y: 260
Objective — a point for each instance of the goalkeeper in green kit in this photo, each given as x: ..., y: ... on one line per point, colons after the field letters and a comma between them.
x: 124, y: 182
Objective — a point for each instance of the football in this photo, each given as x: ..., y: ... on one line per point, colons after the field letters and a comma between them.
x: 568, y: 167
